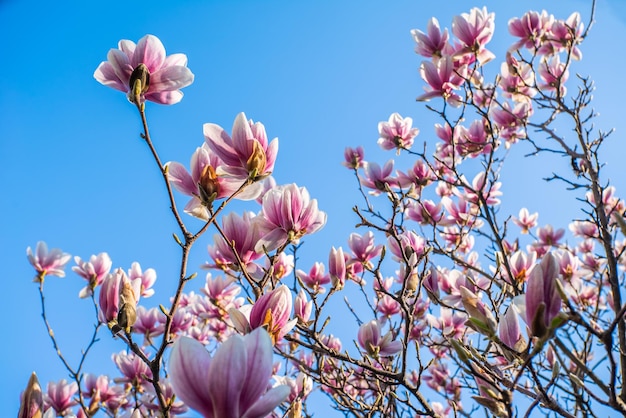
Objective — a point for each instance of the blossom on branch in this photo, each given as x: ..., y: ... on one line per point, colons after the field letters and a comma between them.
x: 245, y: 156
x: 287, y: 215
x: 397, y: 133
x: 231, y: 384
x: 145, y: 67
x: 45, y: 262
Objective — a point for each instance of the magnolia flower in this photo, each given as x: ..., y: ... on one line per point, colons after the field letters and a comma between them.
x: 94, y: 271
x: 543, y: 302
x: 118, y: 300
x: 233, y: 383
x: 272, y: 311
x: 337, y: 267
x: 431, y: 44
x: 371, y: 340
x: 509, y: 330
x: 474, y: 30
x: 288, y: 214
x: 353, y: 157
x: 144, y: 66
x: 204, y: 184
x: 247, y: 155
x: 396, y: 133
x: 303, y: 307
x: 242, y: 233
x: 45, y: 262
x: 443, y: 79
x: 60, y: 396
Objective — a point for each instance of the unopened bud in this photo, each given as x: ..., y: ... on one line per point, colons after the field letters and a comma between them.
x: 208, y: 185
x: 257, y: 161
x: 139, y: 82
x: 127, y: 314
x: 32, y: 399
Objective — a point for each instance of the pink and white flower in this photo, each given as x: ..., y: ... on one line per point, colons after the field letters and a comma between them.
x: 162, y: 76
x: 247, y: 155
x: 235, y: 380
x: 288, y: 213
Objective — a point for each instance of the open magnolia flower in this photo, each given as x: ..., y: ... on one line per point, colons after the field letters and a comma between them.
x: 233, y: 383
x: 160, y: 77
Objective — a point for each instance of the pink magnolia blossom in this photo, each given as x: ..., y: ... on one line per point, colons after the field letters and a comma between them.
x: 434, y: 43
x: 148, y: 324
x: 509, y: 330
x: 204, y: 184
x: 451, y: 324
x: 521, y: 265
x: 337, y: 267
x: 300, y: 387
x: 565, y: 35
x: 554, y: 74
x: 353, y: 157
x: 475, y: 29
x: 543, y: 302
x: 303, y: 307
x: 233, y: 383
x: 511, y: 122
x: 378, y: 179
x: 443, y: 79
x: 409, y: 245
x: 94, y: 271
x: 288, y: 213
x: 163, y: 77
x: 247, y: 155
x: 111, y: 300
x: 374, y: 343
x: 517, y: 80
x: 278, y: 268
x: 483, y: 190
x: 60, y: 396
x: 363, y: 247
x: 425, y: 212
x: 134, y: 370
x: 146, y: 279
x: 532, y: 28
x: 474, y: 141
x: 418, y: 177
x: 397, y: 133
x: 315, y: 279
x: 525, y: 220
x: 272, y: 311
x: 45, y: 262
x: 101, y: 389
x: 242, y: 232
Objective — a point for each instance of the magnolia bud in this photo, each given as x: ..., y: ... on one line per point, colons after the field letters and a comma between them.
x: 208, y: 185
x: 32, y: 400
x: 139, y: 81
x: 127, y: 314
x: 257, y: 162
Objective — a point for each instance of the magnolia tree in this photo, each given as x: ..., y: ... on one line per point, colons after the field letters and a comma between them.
x: 467, y: 308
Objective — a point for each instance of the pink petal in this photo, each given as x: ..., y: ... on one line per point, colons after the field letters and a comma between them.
x: 227, y: 376
x: 259, y: 367
x: 189, y: 368
x: 150, y: 51
x: 181, y: 180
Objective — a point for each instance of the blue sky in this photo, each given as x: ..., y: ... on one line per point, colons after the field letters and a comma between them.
x: 319, y: 75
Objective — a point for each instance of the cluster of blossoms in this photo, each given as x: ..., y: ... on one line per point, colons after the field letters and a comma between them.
x: 453, y: 301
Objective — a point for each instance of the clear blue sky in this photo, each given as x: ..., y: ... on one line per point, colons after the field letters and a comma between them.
x: 319, y: 75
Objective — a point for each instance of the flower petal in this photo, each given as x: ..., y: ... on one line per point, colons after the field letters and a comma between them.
x: 189, y: 368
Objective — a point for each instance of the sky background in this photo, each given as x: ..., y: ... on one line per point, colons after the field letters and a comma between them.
x: 319, y: 75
